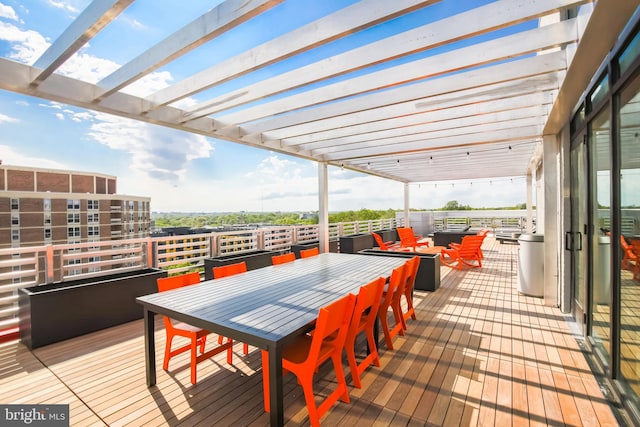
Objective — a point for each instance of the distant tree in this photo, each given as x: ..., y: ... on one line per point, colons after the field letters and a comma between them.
x: 453, y: 205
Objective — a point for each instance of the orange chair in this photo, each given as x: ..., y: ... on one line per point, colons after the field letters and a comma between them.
x: 363, y: 320
x: 385, y: 246
x: 306, y: 253
x: 410, y: 240
x: 197, y: 336
x: 230, y: 270
x: 629, y: 258
x: 408, y: 290
x: 305, y: 354
x: 465, y: 255
x: 482, y: 233
x: 391, y: 298
x: 282, y: 259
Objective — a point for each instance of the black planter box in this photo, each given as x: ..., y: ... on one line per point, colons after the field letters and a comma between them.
x: 387, y: 236
x: 333, y: 246
x: 254, y: 260
x: 443, y: 238
x: 59, y: 311
x: 428, y: 277
x: 355, y: 243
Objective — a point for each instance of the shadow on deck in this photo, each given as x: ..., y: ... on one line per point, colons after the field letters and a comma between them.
x: 479, y: 354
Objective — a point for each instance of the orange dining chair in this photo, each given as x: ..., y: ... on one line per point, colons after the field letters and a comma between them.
x: 391, y: 298
x: 306, y: 253
x: 282, y: 259
x: 385, y: 246
x: 304, y: 355
x: 410, y: 240
x: 363, y: 320
x: 408, y: 290
x: 197, y: 336
x: 230, y: 270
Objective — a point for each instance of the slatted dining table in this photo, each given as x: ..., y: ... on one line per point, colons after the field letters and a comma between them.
x: 265, y: 308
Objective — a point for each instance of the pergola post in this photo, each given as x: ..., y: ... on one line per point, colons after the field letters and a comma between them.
x: 323, y: 207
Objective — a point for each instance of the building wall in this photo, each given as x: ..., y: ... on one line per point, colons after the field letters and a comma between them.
x: 41, y: 206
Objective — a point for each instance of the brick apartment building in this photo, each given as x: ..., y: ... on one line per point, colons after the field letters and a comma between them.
x: 44, y: 206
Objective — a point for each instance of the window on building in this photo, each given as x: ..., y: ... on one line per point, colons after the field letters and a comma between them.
x: 93, y: 230
x: 73, y: 218
x: 15, y: 219
x: 15, y: 235
x: 47, y: 219
x: 15, y: 204
x: 73, y: 204
x: 93, y: 205
x: 46, y: 204
x: 47, y: 234
x: 93, y: 217
x: 73, y: 232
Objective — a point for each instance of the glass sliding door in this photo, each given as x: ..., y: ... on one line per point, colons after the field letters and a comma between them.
x: 629, y: 140
x: 599, y: 234
x: 574, y: 239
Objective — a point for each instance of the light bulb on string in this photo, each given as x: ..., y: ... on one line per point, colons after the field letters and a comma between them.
x: 468, y: 155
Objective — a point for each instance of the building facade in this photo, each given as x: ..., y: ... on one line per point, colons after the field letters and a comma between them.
x: 43, y: 206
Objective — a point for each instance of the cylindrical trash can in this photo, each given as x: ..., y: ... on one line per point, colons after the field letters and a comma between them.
x: 531, y: 265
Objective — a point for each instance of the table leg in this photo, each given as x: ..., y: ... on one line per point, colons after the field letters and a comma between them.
x: 150, y: 347
x: 276, y: 394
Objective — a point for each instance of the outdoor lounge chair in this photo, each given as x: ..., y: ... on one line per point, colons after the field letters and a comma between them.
x: 629, y: 259
x: 468, y: 254
x: 410, y: 240
x: 386, y: 246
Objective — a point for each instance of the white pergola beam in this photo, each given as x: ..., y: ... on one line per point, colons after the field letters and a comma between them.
x: 316, y: 119
x: 90, y: 22
x: 476, y: 21
x: 480, y: 54
x: 348, y: 20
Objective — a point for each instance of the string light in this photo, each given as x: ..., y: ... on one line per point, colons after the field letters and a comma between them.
x: 368, y: 165
x: 430, y: 160
x: 468, y: 156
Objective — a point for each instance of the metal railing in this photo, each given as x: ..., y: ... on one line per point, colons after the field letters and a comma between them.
x: 38, y: 265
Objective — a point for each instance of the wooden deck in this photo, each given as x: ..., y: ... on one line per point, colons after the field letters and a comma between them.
x: 479, y: 354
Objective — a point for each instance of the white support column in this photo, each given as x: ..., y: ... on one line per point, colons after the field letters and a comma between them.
x: 407, y: 221
x: 323, y: 207
x: 529, y: 225
x: 551, y: 225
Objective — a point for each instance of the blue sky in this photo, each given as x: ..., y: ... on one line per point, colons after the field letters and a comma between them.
x: 181, y: 171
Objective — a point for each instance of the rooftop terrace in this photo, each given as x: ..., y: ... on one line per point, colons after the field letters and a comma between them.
x: 480, y: 353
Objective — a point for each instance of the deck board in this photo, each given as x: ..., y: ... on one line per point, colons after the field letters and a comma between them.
x: 479, y: 353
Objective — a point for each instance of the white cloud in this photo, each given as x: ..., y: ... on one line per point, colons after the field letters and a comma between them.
x: 160, y: 153
x: 63, y: 6
x: 7, y: 12
x: 60, y: 116
x: 26, y: 46
x: 10, y: 156
x: 6, y: 119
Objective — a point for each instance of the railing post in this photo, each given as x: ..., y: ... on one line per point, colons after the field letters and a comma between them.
x: 151, y: 260
x: 48, y: 264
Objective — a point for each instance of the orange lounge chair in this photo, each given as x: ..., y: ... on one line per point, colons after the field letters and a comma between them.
x: 385, y: 246
x: 629, y: 259
x: 197, y: 336
x: 468, y: 254
x: 304, y: 355
x: 483, y: 233
x: 410, y: 240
